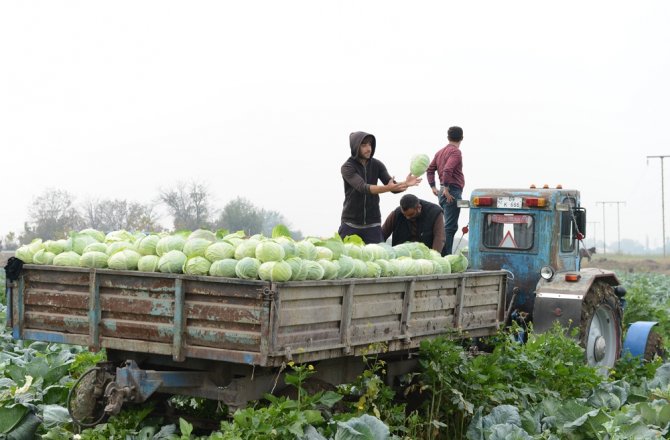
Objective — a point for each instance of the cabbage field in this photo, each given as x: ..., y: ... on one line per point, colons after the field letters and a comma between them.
x: 538, y: 390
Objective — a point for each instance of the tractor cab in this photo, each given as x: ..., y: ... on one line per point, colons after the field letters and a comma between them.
x: 525, y: 231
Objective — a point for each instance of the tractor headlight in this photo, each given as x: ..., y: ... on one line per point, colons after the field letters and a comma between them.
x: 547, y: 272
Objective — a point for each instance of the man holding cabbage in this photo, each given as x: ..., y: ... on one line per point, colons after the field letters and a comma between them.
x: 415, y: 220
x: 362, y: 174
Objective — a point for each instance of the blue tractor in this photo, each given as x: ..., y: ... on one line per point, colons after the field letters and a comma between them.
x: 535, y: 234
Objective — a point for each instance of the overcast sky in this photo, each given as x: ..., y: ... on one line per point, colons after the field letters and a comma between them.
x: 257, y: 99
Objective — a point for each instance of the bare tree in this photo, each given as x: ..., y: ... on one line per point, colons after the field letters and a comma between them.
x: 10, y: 242
x: 189, y: 205
x: 242, y: 215
x: 52, y: 216
x: 111, y: 215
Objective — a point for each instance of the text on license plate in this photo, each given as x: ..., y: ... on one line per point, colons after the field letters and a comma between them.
x: 510, y: 202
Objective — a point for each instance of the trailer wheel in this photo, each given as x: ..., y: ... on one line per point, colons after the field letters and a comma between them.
x: 600, y: 329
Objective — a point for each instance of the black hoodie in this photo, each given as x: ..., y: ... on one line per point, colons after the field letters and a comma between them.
x: 361, y: 207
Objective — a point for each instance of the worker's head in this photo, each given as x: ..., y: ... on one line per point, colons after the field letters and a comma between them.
x: 362, y: 145
x: 410, y: 206
x: 365, y: 150
x: 455, y: 134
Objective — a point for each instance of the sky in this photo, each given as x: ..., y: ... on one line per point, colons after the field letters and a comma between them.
x: 257, y: 99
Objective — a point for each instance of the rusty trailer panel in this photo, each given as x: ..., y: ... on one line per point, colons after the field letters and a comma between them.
x: 248, y: 321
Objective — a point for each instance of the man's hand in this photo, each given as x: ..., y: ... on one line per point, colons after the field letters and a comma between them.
x: 394, y: 186
x: 449, y: 197
x: 412, y: 180
x: 434, y: 190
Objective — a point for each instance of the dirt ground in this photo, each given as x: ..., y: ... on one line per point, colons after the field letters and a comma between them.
x: 630, y: 263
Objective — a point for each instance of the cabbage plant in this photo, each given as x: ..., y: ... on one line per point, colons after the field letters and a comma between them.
x: 148, y: 263
x: 124, y: 260
x: 247, y: 268
x: 172, y: 262
x: 419, y: 164
x: 94, y: 259
x: 197, y: 266
x: 223, y: 268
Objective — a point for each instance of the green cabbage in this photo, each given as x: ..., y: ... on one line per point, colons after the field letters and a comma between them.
x: 148, y: 263
x: 443, y: 263
x: 298, y: 268
x: 323, y: 253
x: 269, y: 250
x: 43, y: 257
x: 246, y: 248
x: 247, y: 268
x: 68, y: 258
x: 95, y: 234
x: 376, y: 252
x: 278, y: 271
x: 419, y: 164
x: 387, y: 268
x: 458, y: 262
x: 197, y: 265
x: 314, y: 270
x: 25, y: 254
x: 374, y: 269
x: 336, y: 246
x: 196, y: 247
x: 120, y: 235
x: 219, y: 251
x: 330, y: 269
x: 360, y: 269
x: 55, y: 246
x: 94, y: 259
x: 170, y: 243
x: 95, y: 247
x: 305, y: 250
x: 118, y: 246
x: 124, y: 260
x: 147, y: 245
x: 424, y: 267
x: 204, y: 234
x: 346, y: 267
x: 288, y: 245
x: 172, y: 262
x: 223, y: 268
x: 354, y: 250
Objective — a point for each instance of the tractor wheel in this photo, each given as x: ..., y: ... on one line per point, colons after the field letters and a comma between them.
x: 601, y: 324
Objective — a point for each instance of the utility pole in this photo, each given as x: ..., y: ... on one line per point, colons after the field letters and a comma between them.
x: 618, y: 229
x: 604, y: 241
x: 662, y: 195
x: 595, y: 228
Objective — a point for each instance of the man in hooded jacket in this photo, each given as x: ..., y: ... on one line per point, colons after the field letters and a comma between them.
x: 361, y: 174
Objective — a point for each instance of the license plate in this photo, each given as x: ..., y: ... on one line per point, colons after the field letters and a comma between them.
x: 510, y: 202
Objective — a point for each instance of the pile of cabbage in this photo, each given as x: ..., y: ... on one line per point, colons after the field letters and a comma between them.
x: 203, y: 252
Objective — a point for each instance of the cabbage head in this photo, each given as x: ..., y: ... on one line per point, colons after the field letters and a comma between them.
x: 118, y: 246
x: 278, y: 271
x: 95, y: 247
x: 147, y: 245
x: 25, y: 254
x: 43, y: 256
x: 360, y: 269
x: 298, y: 268
x: 223, y: 268
x: 336, y: 246
x: 376, y: 251
x: 347, y: 268
x: 458, y: 262
x: 148, y: 263
x: 374, y: 270
x: 126, y: 259
x: 197, y: 265
x: 323, y: 253
x: 204, y: 234
x: 94, y: 259
x: 172, y: 262
x: 330, y: 269
x: 288, y: 245
x: 170, y: 243
x: 314, y: 270
x: 246, y: 248
x: 55, y: 246
x: 387, y: 269
x: 390, y: 253
x: 68, y: 258
x: 419, y: 164
x: 443, y: 263
x: 196, y: 247
x: 354, y: 250
x: 247, y: 268
x: 219, y: 251
x: 401, y: 250
x: 424, y: 267
x: 120, y: 235
x: 305, y: 250
x: 95, y: 234
x: 269, y: 250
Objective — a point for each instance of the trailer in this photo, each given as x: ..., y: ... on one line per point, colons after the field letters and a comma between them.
x: 228, y: 339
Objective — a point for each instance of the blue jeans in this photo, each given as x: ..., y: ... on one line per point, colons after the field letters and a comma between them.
x: 451, y: 213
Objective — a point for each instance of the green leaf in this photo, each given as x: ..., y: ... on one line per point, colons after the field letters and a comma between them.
x: 55, y: 415
x: 280, y: 231
x: 354, y: 239
x: 508, y: 432
x: 26, y: 429
x: 329, y: 398
x: 185, y: 428
x: 10, y: 416
x: 364, y: 427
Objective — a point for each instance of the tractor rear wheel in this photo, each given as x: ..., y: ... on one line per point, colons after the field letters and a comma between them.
x: 601, y: 324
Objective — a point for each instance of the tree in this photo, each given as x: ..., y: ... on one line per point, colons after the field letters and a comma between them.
x: 242, y: 215
x: 188, y: 204
x: 110, y: 215
x: 10, y: 243
x: 52, y: 216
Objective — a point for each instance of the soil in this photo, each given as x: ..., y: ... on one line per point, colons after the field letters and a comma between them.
x: 630, y: 263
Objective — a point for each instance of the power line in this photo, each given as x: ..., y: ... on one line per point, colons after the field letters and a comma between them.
x: 662, y: 195
x: 618, y: 229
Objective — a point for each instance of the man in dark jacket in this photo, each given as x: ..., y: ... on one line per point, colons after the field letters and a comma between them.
x: 415, y: 220
x: 361, y: 174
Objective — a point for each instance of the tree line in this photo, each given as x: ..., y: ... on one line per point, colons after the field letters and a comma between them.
x: 55, y: 213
